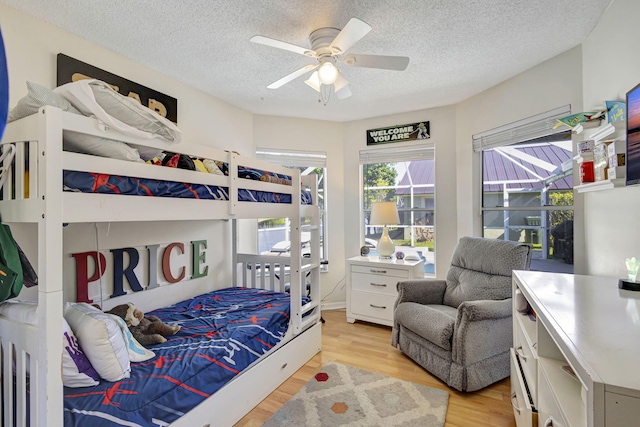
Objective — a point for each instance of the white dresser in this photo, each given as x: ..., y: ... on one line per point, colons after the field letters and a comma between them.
x: 584, y: 325
x: 371, y: 286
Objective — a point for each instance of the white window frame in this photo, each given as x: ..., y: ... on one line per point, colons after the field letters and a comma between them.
x: 531, y: 128
x: 392, y: 154
x: 301, y: 158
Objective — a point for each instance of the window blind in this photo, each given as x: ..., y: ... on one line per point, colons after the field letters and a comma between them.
x: 533, y: 127
x: 395, y: 154
x: 317, y: 159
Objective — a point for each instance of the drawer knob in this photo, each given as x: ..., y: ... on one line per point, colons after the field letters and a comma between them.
x: 384, y: 285
x: 520, y: 353
x: 548, y: 422
x: 378, y: 306
x: 378, y: 271
x: 514, y: 397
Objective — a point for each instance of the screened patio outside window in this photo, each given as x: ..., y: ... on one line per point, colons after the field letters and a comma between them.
x: 527, y: 188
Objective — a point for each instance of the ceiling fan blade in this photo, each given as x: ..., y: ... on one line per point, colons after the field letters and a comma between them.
x: 343, y: 93
x: 286, y: 79
x: 397, y: 63
x: 314, y: 82
x: 282, y: 45
x: 350, y: 34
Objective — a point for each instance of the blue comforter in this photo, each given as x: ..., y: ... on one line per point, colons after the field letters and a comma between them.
x: 221, y: 333
x: 87, y: 182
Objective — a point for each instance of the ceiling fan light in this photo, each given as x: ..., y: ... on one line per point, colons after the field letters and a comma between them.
x: 313, y: 81
x: 327, y: 73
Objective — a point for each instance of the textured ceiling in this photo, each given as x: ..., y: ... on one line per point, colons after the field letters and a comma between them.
x: 458, y: 48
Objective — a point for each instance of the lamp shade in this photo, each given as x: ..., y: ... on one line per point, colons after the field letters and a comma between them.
x: 384, y: 213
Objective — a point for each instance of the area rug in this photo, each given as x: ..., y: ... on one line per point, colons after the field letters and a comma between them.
x: 341, y: 395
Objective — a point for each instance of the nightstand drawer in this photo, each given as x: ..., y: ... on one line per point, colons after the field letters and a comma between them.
x: 381, y: 270
x: 374, y: 283
x: 373, y: 305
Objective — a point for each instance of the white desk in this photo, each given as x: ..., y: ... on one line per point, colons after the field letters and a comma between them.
x: 585, y: 322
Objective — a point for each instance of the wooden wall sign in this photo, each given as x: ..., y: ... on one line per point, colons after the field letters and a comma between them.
x: 120, y: 271
x: 409, y: 132
x: 71, y: 70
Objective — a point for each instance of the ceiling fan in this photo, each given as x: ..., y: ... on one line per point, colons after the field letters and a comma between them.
x: 328, y: 47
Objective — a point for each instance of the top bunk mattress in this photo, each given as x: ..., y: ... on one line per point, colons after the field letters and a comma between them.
x: 89, y: 182
x: 222, y: 333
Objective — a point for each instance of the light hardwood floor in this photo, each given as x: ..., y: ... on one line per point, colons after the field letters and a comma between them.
x: 367, y: 346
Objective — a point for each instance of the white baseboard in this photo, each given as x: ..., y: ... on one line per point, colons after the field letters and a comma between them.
x: 334, y: 305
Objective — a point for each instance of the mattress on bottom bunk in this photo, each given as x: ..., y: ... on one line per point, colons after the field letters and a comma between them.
x: 222, y: 333
x: 88, y: 182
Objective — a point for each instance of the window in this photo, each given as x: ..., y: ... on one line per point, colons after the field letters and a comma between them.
x: 405, y: 176
x: 273, y: 233
x: 527, y: 188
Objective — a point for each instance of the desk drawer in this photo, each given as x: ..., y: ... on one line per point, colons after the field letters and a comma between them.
x: 373, y: 305
x: 548, y: 408
x: 523, y: 410
x: 374, y: 283
x: 527, y: 360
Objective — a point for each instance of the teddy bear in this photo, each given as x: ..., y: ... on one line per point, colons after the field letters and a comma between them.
x: 147, y: 330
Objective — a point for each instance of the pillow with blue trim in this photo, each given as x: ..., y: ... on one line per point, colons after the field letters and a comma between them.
x: 137, y: 353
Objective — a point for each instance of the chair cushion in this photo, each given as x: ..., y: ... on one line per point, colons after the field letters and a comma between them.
x: 432, y: 322
x: 481, y: 269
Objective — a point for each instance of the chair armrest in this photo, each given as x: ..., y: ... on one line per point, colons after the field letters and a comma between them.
x: 423, y: 291
x: 483, y: 329
x: 471, y: 311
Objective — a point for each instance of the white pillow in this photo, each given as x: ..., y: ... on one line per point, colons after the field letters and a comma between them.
x: 89, y: 144
x: 20, y: 311
x: 38, y: 96
x: 137, y: 352
x: 101, y: 340
x: 121, y: 113
x: 77, y: 370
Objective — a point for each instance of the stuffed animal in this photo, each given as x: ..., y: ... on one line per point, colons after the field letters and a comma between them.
x: 147, y: 330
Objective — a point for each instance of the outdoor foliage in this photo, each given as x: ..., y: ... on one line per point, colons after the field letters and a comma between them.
x: 270, y: 222
x: 560, y: 198
x: 379, y: 175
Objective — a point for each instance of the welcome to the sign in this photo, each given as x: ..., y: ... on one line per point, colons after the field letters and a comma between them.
x: 172, y: 269
x: 409, y: 132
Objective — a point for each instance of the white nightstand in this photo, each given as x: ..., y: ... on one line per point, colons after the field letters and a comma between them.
x: 371, y: 286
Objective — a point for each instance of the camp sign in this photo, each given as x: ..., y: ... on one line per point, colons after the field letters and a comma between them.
x: 398, y: 133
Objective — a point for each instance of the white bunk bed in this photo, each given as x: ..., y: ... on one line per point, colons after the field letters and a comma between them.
x: 33, y: 353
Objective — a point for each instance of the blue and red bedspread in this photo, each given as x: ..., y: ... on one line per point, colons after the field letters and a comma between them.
x: 221, y: 334
x: 87, y: 182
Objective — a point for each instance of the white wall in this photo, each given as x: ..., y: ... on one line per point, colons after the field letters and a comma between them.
x: 443, y: 135
x: 552, y: 84
x: 611, y: 66
x: 32, y: 46
x: 315, y: 135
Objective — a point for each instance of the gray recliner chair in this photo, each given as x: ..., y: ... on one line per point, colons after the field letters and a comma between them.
x: 460, y: 329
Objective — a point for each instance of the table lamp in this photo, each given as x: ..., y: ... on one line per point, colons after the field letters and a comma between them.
x: 385, y: 213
